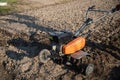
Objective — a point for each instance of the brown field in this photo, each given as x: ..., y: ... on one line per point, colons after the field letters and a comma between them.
x: 24, y: 34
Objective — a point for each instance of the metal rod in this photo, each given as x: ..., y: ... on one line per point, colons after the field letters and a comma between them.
x: 99, y: 10
x: 80, y: 30
x: 98, y: 19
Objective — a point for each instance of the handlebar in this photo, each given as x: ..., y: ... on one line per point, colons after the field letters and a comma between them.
x: 89, y: 20
x: 92, y: 7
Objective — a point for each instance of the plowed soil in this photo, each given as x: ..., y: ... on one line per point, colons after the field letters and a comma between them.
x: 23, y: 35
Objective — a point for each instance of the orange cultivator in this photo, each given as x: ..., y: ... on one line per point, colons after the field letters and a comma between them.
x: 67, y: 43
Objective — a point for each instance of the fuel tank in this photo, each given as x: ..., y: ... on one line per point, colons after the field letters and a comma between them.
x: 74, y: 45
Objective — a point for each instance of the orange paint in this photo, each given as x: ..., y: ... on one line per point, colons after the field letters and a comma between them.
x: 74, y: 45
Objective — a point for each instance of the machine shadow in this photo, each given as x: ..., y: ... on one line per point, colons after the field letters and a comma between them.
x: 29, y: 49
x: 29, y: 21
x: 114, y: 74
x: 103, y: 47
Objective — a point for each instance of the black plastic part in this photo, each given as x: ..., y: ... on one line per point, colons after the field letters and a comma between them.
x: 92, y: 7
x: 113, y: 10
x: 61, y: 37
x: 88, y: 20
x: 117, y: 8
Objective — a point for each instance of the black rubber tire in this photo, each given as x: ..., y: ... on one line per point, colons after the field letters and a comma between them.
x: 89, y: 69
x: 44, y: 56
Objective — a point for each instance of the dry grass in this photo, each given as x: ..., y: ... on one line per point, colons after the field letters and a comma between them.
x: 7, y: 9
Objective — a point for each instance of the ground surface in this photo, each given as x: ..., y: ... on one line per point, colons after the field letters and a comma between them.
x: 24, y: 34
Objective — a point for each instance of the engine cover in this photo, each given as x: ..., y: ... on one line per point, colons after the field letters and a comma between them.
x: 60, y: 37
x: 74, y: 45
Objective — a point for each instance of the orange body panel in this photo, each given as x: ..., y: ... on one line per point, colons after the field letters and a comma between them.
x: 74, y: 45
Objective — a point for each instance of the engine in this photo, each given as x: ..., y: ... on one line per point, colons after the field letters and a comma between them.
x: 60, y: 37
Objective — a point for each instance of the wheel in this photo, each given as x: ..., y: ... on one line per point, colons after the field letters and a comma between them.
x: 44, y: 56
x: 89, y: 69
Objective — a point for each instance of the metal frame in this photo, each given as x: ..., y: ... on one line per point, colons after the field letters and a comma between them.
x: 89, y: 20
